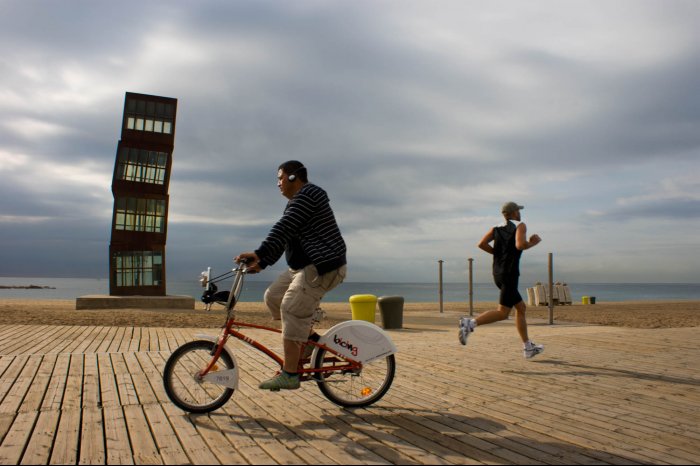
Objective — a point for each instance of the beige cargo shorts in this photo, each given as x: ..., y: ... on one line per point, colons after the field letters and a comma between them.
x: 296, y: 294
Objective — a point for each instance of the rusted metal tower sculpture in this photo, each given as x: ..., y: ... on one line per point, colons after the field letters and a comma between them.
x: 140, y: 189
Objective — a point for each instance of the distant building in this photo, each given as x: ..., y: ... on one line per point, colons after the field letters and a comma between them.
x: 140, y: 189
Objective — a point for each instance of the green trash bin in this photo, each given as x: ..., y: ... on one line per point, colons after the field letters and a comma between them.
x: 363, y: 306
x: 391, y: 309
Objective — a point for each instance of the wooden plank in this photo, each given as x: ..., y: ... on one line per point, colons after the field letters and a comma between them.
x: 41, y: 441
x: 38, y: 389
x: 98, y: 338
x: 125, y: 385
x: 171, y: 338
x: 65, y: 448
x: 152, y: 364
x: 8, y: 333
x: 169, y: 446
x: 23, y: 341
x: 109, y: 393
x: 241, y: 441
x: 49, y: 345
x: 10, y: 376
x: 486, y: 436
x: 92, y: 437
x: 153, y: 343
x: 144, y: 448
x: 143, y: 388
x: 493, y: 448
x: 650, y: 437
x: 272, y: 436
x: 5, y: 363
x: 216, y: 442
x: 380, y: 442
x: 17, y: 437
x: 53, y: 397
x: 84, y: 340
x: 117, y: 444
x: 92, y: 398
x: 345, y: 437
x: 317, y: 442
x: 491, y: 406
x: 112, y: 333
x: 192, y: 443
x: 137, y: 340
x: 121, y: 334
x: 180, y: 336
x: 73, y: 394
x: 6, y: 421
x: 16, y: 393
x: 69, y: 340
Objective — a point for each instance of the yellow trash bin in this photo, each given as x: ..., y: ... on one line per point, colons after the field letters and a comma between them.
x: 585, y: 300
x: 362, y: 307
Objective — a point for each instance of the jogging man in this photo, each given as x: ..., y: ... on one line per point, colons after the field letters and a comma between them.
x: 315, y: 251
x: 509, y: 242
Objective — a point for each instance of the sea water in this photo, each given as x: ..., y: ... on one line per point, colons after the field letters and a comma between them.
x: 71, y: 288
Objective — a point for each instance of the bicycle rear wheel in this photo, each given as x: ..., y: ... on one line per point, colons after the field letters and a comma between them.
x: 354, y: 388
x: 182, y: 382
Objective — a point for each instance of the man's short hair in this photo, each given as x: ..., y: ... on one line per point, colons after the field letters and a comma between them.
x: 294, y: 167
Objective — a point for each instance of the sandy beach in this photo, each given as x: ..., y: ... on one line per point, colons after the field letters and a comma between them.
x: 635, y: 314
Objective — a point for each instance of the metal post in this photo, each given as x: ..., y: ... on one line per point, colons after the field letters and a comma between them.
x: 471, y: 287
x: 440, y: 282
x: 551, y: 290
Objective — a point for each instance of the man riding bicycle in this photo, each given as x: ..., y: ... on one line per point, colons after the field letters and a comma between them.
x: 315, y: 251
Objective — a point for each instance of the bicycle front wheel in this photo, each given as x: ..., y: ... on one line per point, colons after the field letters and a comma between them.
x: 354, y: 388
x: 185, y: 388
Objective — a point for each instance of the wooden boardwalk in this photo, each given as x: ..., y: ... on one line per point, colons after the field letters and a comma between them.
x: 598, y: 395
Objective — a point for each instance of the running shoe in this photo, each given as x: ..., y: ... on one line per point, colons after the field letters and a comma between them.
x: 466, y: 326
x: 532, y: 350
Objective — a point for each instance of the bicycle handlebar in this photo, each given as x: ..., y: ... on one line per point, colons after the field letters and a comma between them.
x: 209, y: 282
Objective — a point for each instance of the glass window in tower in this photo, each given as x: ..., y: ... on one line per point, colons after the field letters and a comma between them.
x: 138, y: 214
x: 138, y: 268
x: 153, y: 117
x: 140, y: 165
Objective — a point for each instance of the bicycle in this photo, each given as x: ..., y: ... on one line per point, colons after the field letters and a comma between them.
x: 353, y: 363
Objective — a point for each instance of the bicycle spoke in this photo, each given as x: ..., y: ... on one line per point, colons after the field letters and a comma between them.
x: 354, y: 387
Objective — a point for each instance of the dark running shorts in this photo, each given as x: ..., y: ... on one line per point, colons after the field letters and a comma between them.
x: 509, y: 290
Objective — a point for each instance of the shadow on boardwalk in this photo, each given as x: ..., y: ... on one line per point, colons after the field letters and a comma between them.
x: 588, y: 370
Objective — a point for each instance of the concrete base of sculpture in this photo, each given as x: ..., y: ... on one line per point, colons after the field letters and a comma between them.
x: 134, y: 302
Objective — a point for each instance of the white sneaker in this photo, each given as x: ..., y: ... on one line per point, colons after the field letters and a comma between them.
x: 532, y: 350
x: 466, y: 326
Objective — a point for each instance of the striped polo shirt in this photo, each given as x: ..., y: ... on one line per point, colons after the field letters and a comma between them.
x: 309, y: 221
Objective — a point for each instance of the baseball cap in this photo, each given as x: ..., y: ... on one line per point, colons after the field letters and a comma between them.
x: 510, y: 207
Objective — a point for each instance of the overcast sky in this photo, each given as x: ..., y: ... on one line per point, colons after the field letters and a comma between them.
x: 419, y: 118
